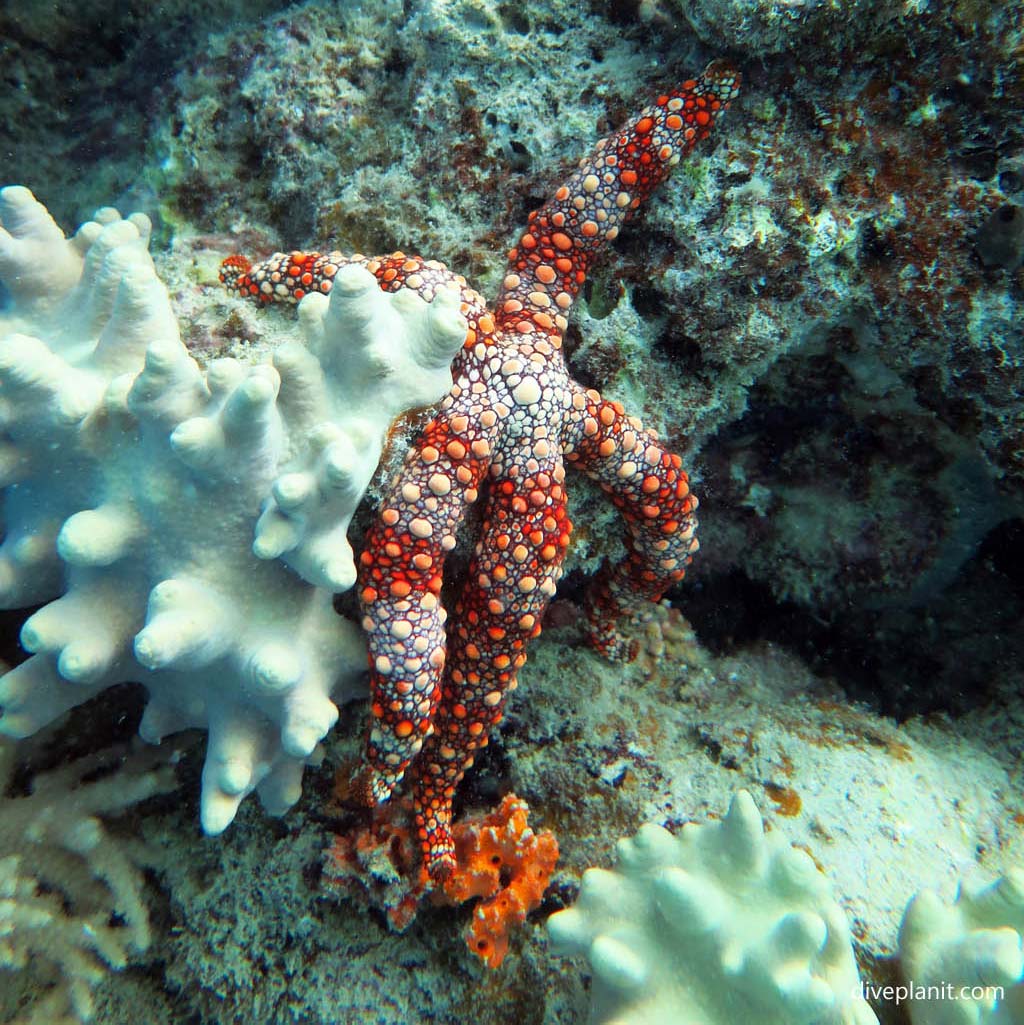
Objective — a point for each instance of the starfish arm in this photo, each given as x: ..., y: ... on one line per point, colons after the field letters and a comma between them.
x: 400, y: 576
x: 648, y: 486
x: 289, y: 277
x: 549, y: 263
x: 282, y: 277
x: 511, y: 579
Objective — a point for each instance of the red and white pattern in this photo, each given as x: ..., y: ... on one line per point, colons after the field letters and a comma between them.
x: 504, y: 434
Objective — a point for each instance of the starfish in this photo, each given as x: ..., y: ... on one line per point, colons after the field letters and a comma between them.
x: 504, y: 434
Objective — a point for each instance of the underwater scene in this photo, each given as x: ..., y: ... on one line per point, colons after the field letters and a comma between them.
x: 512, y: 512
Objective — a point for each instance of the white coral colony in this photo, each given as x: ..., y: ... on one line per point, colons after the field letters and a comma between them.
x: 187, y: 527
x: 964, y: 961
x: 718, y: 925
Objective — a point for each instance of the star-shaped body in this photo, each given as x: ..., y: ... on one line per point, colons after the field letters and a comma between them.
x: 512, y: 422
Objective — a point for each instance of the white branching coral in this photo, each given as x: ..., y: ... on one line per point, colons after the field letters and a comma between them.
x: 720, y: 924
x: 963, y: 962
x: 187, y: 527
x: 63, y: 878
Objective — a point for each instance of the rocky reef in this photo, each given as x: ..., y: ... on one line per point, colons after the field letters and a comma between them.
x: 822, y: 312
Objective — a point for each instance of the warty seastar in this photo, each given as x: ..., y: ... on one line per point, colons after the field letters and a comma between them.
x: 511, y: 422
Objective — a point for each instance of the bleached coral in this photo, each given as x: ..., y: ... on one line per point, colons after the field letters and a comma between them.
x: 963, y: 962
x: 720, y: 924
x: 189, y: 525
x: 63, y: 877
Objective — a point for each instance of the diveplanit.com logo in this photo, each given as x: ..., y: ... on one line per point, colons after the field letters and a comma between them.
x: 985, y: 995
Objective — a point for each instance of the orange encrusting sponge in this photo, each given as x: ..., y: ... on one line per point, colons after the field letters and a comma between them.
x: 505, y: 863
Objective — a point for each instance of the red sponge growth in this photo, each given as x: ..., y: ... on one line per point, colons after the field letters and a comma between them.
x: 502, y: 860
x: 499, y: 859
